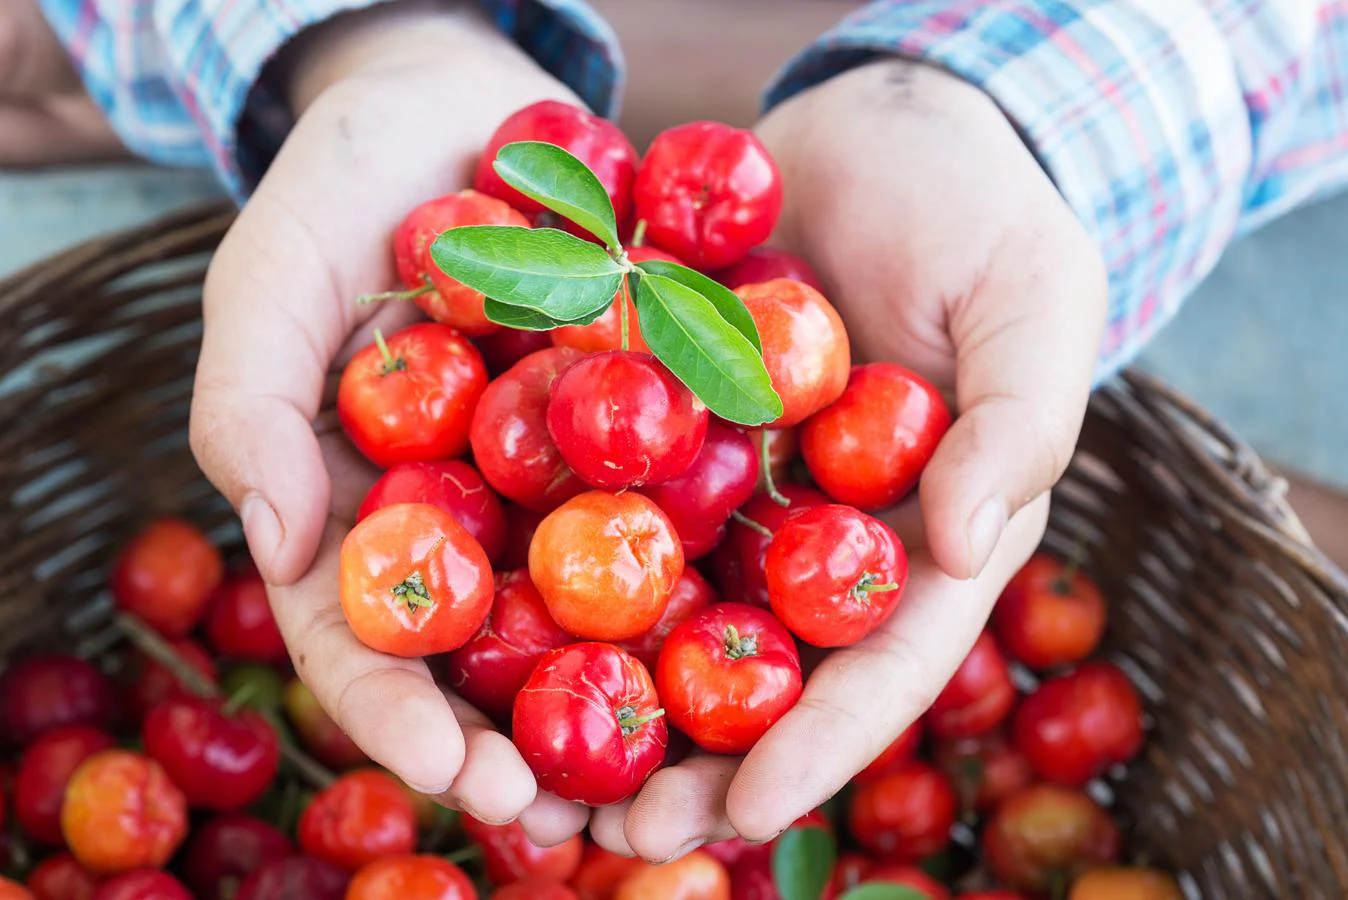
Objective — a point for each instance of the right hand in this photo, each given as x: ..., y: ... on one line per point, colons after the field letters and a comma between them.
x: 394, y: 106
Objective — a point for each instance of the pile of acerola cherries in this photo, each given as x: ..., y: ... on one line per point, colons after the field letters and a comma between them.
x: 613, y: 575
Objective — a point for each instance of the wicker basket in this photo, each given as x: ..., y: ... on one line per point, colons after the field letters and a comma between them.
x: 1234, y: 628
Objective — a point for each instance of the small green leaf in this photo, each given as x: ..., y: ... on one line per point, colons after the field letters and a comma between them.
x: 562, y: 183
x: 730, y: 306
x: 710, y: 356
x: 541, y: 269
x: 530, y: 320
x: 802, y: 863
x: 885, y: 892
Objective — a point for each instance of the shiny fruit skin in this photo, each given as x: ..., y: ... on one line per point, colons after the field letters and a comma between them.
x: 901, y: 751
x: 805, y: 346
x: 153, y: 683
x: 727, y: 675
x: 509, y: 856
x: 142, y: 884
x: 1125, y: 883
x: 360, y: 817
x: 765, y: 264
x: 720, y: 480
x: 606, y: 565
x: 42, y: 693
x: 319, y: 734
x: 1075, y: 726
x: 601, y: 872
x: 419, y: 408
x: 869, y: 447
x: 165, y: 576
x: 739, y: 562
x: 121, y: 812
x: 239, y: 621
x: 904, y: 816
x: 978, y: 697
x: 910, y: 877
x: 221, y: 762
x: 502, y: 349
x: 1045, y: 833
x: 535, y: 889
x: 511, y: 444
x: 413, y: 581
x: 295, y: 878
x: 490, y: 669
x: 452, y: 485
x: 697, y: 876
x: 411, y: 877
x: 226, y: 850
x: 709, y: 193
x: 61, y: 877
x: 568, y: 724
x: 606, y: 332
x: 450, y: 302
x: 691, y: 595
x: 783, y: 451
x: 621, y: 420
x: 985, y: 770
x: 44, y: 772
x: 1048, y: 617
x: 819, y: 566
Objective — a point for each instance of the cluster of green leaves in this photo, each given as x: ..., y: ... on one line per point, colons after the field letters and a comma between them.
x: 802, y: 865
x: 543, y: 278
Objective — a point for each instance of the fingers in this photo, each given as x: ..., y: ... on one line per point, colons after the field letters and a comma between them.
x: 678, y: 810
x: 495, y: 784
x: 32, y: 61
x: 550, y: 820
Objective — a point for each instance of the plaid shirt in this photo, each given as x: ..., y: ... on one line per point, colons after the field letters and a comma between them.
x: 1170, y: 126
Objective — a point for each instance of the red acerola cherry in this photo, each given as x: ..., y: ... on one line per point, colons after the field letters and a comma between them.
x: 901, y: 751
x: 601, y: 871
x: 589, y: 725
x: 1049, y: 614
x: 621, y: 419
x: 490, y: 669
x: 977, y: 698
x: 142, y: 884
x: 700, y: 501
x: 295, y: 877
x: 1046, y: 834
x: 511, y: 444
x: 226, y: 850
x: 805, y: 346
x: 222, y: 760
x: 709, y: 193
x: 44, y: 771
x: 12, y: 890
x: 606, y: 332
x: 783, y: 451
x: 727, y: 675
x: 319, y: 734
x: 502, y: 349
x: 870, y: 446
x: 985, y: 770
x: 41, y: 693
x: 360, y: 817
x: 691, y: 595
x: 454, y: 486
x: 239, y: 620
x: 766, y: 263
x: 904, y: 816
x: 909, y: 877
x: 534, y: 889
x: 509, y: 856
x: 411, y: 877
x: 121, y: 812
x: 697, y: 876
x: 165, y: 576
x: 153, y: 683
x: 61, y: 877
x: 412, y: 399
x: 739, y: 562
x: 835, y: 575
x: 1074, y: 727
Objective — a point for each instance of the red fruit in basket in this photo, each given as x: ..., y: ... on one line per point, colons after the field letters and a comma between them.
x: 783, y: 451
x: 589, y: 725
x: 870, y: 446
x: 606, y: 332
x: 43, y: 774
x: 901, y: 751
x: 511, y: 443
x: 721, y: 479
x: 239, y: 620
x: 121, y: 812
x: 904, y: 816
x: 143, y: 884
x: 411, y: 877
x: 909, y: 877
x: 766, y: 264
x: 691, y: 595
x: 606, y: 565
x: 319, y: 734
x: 490, y: 669
x: 835, y: 574
x: 600, y: 873
x: 452, y: 485
x: 357, y: 819
x: 154, y: 682
x: 502, y: 349
x: 985, y: 770
x: 740, y: 561
x: 805, y: 346
x: 509, y: 855
x: 726, y: 675
x: 411, y: 399
x: 12, y: 890
x: 165, y: 576
x: 226, y: 850
x: 697, y: 876
x: 709, y: 193
x: 1125, y: 883
x: 61, y: 877
x: 1045, y: 835
x: 534, y: 889
x: 293, y: 878
x: 1074, y: 727
x: 222, y: 760
x: 1049, y: 614
x: 42, y: 693
x: 850, y: 871
x: 978, y: 697
x: 413, y: 581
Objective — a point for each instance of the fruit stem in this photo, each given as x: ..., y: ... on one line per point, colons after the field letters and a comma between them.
x: 1058, y: 883
x: 1063, y: 583
x: 765, y: 469
x: 866, y: 585
x: 751, y: 524
x: 236, y: 700
x: 891, y: 586
x: 411, y: 294
x: 737, y: 647
x: 391, y: 363
x: 464, y: 854
x: 622, y: 312
x: 631, y: 723
x: 412, y: 591
x: 638, y: 234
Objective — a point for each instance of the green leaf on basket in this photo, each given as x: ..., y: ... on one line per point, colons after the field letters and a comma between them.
x: 885, y: 892
x: 802, y: 862
x: 541, y: 269
x: 716, y: 362
x: 562, y: 183
x: 730, y: 306
x: 531, y: 320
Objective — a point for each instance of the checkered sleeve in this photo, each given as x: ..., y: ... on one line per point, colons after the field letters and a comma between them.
x: 1169, y: 126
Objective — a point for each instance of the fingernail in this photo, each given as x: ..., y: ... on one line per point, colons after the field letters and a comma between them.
x: 766, y: 840
x: 486, y: 820
x: 262, y: 529
x: 683, y: 851
x: 985, y: 529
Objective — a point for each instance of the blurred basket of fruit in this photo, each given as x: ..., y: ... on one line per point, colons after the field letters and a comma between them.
x: 1157, y: 707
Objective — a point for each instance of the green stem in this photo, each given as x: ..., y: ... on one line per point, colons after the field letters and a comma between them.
x: 638, y: 234
x: 751, y: 524
x: 869, y: 588
x: 411, y: 294
x: 464, y: 854
x: 624, y: 301
x: 765, y: 469
x: 239, y: 698
x: 867, y: 585
x: 1063, y: 583
x: 737, y: 647
x: 391, y: 363
x: 631, y: 723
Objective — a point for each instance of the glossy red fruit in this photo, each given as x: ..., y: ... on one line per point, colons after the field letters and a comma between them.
x: 360, y: 817
x: 901, y: 751
x: 226, y: 850
x: 42, y: 693
x: 589, y: 724
x: 600, y: 873
x: 783, y: 451
x: 509, y: 855
x: 727, y: 675
x: 1074, y: 727
x: 1046, y: 834
x: 691, y: 595
x: 511, y: 444
x: 697, y: 876
x: 153, y: 683
x: 222, y: 762
x: 44, y: 771
x: 805, y: 346
x: 904, y: 816
x: 534, y: 889
x: 606, y: 565
x: 142, y: 884
x: 765, y: 264
x: 452, y: 485
x: 239, y: 620
x: 441, y: 297
x: 1049, y: 614
x: 740, y: 560
x: 165, y: 576
x: 751, y: 879
x: 721, y: 479
x: 1125, y: 883
x: 709, y: 193
x: 606, y: 332
x: 835, y: 575
x: 490, y: 669
x: 319, y: 734
x: 293, y: 878
x: 909, y: 877
x: 985, y: 770
x: 61, y: 877
x: 411, y: 877
x: 413, y: 399
x: 869, y: 447
x: 121, y: 813
x: 502, y: 349
x: 978, y: 697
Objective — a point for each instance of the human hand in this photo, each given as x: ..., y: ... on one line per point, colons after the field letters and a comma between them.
x: 947, y: 249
